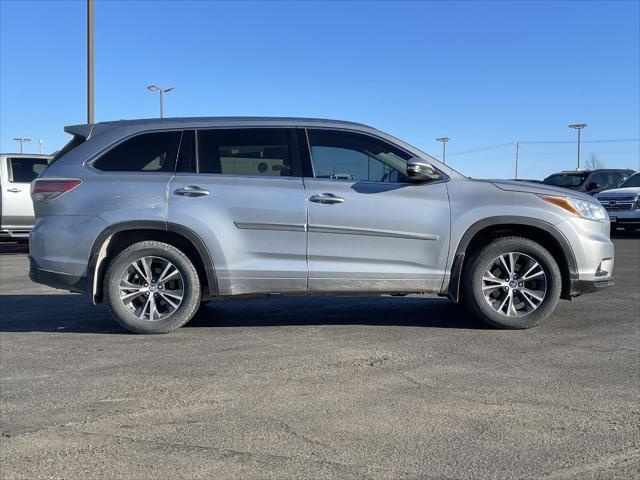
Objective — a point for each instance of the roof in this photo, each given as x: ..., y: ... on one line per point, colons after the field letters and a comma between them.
x: 216, y: 120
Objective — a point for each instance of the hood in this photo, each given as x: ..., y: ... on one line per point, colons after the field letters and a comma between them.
x: 619, y: 192
x: 539, y: 188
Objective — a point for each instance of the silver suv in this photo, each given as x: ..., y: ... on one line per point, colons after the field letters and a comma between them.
x: 155, y: 217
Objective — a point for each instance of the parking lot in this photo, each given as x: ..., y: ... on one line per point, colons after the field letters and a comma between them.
x: 320, y: 387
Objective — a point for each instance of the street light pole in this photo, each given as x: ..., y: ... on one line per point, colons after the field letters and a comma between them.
x: 517, y: 157
x: 162, y: 91
x: 21, y: 141
x: 578, y: 127
x: 90, y: 111
x: 444, y: 141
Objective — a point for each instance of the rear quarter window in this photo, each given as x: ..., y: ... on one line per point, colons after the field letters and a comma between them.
x: 148, y: 152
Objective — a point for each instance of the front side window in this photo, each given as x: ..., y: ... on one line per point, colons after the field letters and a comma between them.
x: 355, y: 157
x: 25, y: 170
x: 262, y: 152
x: 149, y: 152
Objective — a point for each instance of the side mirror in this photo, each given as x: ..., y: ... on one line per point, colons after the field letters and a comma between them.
x: 593, y: 186
x: 420, y: 171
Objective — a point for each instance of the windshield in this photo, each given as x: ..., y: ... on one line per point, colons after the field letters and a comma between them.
x: 566, y: 180
x: 632, y: 181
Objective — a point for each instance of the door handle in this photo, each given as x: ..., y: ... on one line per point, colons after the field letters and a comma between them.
x: 326, y: 198
x: 191, y: 191
x: 14, y: 190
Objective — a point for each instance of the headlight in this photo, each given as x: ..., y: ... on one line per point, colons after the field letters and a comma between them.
x: 580, y: 208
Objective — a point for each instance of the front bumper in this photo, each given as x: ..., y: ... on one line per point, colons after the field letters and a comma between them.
x: 58, y: 280
x: 578, y: 287
x: 625, y: 217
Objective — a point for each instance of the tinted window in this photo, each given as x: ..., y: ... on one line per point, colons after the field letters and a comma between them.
x: 606, y: 180
x: 152, y: 152
x: 25, y: 170
x: 632, y: 181
x: 353, y: 156
x: 566, y: 180
x: 252, y: 151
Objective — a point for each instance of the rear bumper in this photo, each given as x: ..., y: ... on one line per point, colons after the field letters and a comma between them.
x: 578, y: 287
x: 59, y: 280
x: 13, y: 233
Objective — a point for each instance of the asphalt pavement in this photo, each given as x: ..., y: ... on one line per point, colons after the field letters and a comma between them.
x: 320, y: 387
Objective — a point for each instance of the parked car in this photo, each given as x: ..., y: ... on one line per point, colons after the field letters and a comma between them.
x: 623, y: 204
x: 156, y: 216
x: 589, y: 181
x: 17, y: 171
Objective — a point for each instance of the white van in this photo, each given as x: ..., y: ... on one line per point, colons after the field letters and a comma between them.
x: 17, y: 171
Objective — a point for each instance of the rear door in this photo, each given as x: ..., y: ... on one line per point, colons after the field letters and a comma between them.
x: 241, y: 191
x: 370, y: 229
x: 18, y: 173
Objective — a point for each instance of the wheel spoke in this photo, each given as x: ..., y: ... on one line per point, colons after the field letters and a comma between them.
x: 169, y: 301
x: 127, y: 298
x: 533, y: 293
x: 171, y: 276
x: 177, y: 294
x: 504, y: 264
x: 144, y: 309
x: 152, y: 307
x: 146, y: 263
x: 140, y: 272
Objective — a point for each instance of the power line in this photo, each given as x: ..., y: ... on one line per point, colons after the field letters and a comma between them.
x: 531, y: 142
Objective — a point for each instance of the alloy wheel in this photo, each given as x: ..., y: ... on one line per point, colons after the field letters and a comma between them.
x: 514, y: 284
x: 152, y: 288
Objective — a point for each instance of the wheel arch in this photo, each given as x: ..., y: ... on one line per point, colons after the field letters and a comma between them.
x: 115, y: 238
x: 491, y: 228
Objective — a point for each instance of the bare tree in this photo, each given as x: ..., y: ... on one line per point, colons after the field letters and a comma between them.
x: 593, y: 162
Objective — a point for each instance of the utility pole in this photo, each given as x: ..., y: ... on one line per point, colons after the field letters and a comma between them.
x: 21, y: 141
x: 444, y: 141
x: 40, y: 146
x: 578, y: 127
x: 90, y: 110
x: 517, y: 157
x: 162, y: 91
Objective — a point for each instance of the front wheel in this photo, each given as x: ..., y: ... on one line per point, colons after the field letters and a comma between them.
x: 513, y: 282
x: 152, y: 287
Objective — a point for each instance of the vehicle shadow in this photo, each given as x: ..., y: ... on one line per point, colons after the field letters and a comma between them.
x: 70, y: 313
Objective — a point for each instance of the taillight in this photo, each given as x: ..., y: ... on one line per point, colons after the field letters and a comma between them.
x: 44, y: 189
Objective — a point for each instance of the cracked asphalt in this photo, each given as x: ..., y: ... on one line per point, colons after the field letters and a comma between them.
x: 320, y: 387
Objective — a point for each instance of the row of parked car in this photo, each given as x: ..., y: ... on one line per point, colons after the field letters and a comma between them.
x: 618, y: 190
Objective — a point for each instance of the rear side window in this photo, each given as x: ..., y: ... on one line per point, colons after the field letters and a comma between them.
x: 254, y: 151
x: 149, y: 152
x: 25, y: 170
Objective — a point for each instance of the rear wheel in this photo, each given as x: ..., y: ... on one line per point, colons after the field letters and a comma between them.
x: 152, y: 287
x: 513, y: 283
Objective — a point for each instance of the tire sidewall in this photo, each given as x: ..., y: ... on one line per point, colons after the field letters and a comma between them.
x: 481, y: 262
x: 190, y: 301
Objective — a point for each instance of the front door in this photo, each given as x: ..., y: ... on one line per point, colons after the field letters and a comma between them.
x: 370, y: 229
x: 241, y: 191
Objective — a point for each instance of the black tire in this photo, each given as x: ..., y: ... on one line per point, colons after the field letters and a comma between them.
x: 189, y: 276
x: 481, y: 261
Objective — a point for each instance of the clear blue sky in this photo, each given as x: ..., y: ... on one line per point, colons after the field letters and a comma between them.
x: 482, y: 73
